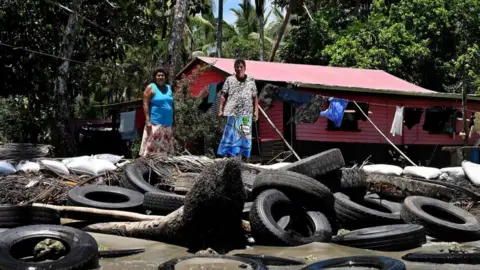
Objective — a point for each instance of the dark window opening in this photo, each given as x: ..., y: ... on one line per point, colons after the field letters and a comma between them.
x: 349, y: 122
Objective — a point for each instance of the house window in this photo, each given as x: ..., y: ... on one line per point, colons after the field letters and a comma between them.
x: 349, y: 122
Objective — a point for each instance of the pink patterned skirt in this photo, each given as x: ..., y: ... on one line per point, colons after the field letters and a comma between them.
x: 159, y: 141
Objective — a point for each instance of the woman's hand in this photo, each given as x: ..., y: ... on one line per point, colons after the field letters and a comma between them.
x: 148, y: 126
x: 220, y: 113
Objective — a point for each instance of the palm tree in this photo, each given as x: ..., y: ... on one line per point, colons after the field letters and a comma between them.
x: 246, y: 22
x: 281, y: 31
x: 273, y: 28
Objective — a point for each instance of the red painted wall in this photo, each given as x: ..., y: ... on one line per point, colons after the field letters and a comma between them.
x: 203, y: 80
x: 275, y: 113
x: 383, y: 116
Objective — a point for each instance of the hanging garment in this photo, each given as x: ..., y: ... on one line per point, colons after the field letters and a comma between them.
x: 237, y: 137
x: 476, y: 123
x: 310, y: 112
x: 397, y: 124
x: 212, y: 93
x: 269, y: 93
x: 412, y: 116
x: 335, y: 111
x: 438, y: 120
x: 127, y: 125
x: 358, y: 113
x: 294, y: 98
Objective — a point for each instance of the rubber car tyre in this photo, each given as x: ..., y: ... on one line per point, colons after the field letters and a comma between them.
x: 82, y: 248
x: 375, y: 199
x: 133, y: 199
x: 270, y: 260
x: 162, y: 202
x: 319, y: 165
x: 441, y: 258
x: 352, y: 215
x: 266, y: 230
x: 301, y: 189
x: 414, y: 211
x: 135, y: 173
x: 385, y: 238
x: 170, y: 265
x: 12, y: 216
x: 377, y: 262
x: 184, y: 183
x: 353, y: 182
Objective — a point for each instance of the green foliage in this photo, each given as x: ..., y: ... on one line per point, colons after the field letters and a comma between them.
x: 246, y: 48
x: 204, y: 130
x: 428, y: 42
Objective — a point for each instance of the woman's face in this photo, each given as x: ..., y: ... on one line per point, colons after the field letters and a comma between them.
x: 160, y: 78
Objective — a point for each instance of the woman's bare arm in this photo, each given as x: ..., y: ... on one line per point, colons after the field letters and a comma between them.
x: 147, y: 97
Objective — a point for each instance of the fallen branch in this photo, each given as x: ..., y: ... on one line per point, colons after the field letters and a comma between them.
x: 78, y: 212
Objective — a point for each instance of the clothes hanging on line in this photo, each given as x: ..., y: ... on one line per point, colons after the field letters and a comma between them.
x: 335, y: 110
x: 212, y: 93
x: 269, y: 93
x: 310, y: 112
x: 358, y: 113
x: 397, y: 123
x: 294, y: 98
x: 412, y: 116
x: 438, y: 120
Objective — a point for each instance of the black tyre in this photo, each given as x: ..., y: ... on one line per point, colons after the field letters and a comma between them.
x: 441, y: 258
x: 441, y: 220
x: 376, y: 262
x: 304, y: 227
x: 353, y: 182
x: 106, y: 197
x: 356, y: 215
x: 82, y: 249
x: 386, y: 238
x: 184, y: 182
x: 136, y: 174
x: 319, y: 165
x: 255, y: 265
x: 374, y: 199
x: 162, y: 203
x: 12, y: 216
x: 270, y: 260
x: 302, y: 189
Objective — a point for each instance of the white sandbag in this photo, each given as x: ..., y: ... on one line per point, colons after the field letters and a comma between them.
x: 6, y: 168
x: 472, y: 171
x: 93, y: 166
x: 55, y: 166
x: 28, y: 167
x: 454, y: 172
x: 386, y: 169
x: 422, y: 172
x: 121, y: 164
x: 72, y: 159
x: 112, y: 158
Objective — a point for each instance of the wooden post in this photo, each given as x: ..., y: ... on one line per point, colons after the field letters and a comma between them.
x: 278, y: 132
x: 464, y: 113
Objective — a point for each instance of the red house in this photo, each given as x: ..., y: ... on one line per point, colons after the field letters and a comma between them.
x: 382, y: 91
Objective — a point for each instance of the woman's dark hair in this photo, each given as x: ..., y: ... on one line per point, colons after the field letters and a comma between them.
x: 158, y: 70
x: 238, y: 62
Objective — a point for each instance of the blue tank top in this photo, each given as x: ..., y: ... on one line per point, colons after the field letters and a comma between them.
x: 161, y: 106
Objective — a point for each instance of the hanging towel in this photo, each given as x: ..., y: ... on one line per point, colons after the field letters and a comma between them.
x: 412, y: 116
x: 397, y: 122
x: 140, y: 118
x: 310, y: 112
x: 335, y: 110
x: 269, y: 93
x: 127, y: 125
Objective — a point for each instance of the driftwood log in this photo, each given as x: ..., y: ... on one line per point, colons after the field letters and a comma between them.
x: 210, y: 218
x: 24, y: 151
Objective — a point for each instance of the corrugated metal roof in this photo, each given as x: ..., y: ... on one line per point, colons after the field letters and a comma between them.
x: 331, y: 77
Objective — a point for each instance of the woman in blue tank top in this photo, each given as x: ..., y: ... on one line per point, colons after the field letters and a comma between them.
x: 158, y: 109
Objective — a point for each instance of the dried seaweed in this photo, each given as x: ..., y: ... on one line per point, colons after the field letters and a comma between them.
x: 15, y: 189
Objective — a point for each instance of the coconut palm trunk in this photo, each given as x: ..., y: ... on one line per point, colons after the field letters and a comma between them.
x: 281, y: 32
x: 220, y: 28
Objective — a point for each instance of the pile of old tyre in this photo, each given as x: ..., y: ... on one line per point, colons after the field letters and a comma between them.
x: 310, y: 200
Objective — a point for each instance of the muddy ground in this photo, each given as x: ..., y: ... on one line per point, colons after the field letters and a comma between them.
x: 157, y: 253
